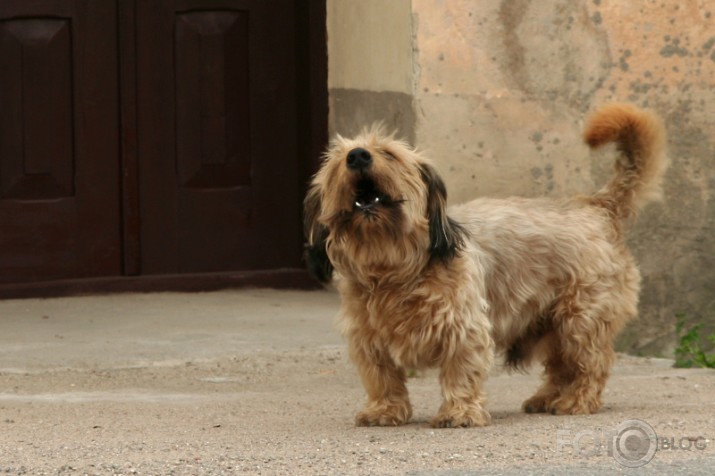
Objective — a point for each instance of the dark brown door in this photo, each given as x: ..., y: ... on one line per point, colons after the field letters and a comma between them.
x: 59, y: 185
x: 218, y: 159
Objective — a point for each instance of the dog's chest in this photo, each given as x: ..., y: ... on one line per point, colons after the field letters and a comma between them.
x: 411, y: 329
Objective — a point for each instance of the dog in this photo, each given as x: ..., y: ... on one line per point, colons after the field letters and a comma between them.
x: 423, y: 285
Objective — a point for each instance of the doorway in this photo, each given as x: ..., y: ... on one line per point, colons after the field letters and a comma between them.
x: 162, y: 138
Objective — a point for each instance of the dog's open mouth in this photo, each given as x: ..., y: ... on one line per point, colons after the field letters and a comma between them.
x: 368, y: 196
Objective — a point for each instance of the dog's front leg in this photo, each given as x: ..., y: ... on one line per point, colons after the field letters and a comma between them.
x: 462, y: 376
x: 388, y: 403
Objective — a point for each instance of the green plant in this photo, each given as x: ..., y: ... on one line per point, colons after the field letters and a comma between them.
x: 689, y: 352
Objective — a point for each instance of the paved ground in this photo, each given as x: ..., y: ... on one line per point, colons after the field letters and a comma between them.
x: 257, y: 382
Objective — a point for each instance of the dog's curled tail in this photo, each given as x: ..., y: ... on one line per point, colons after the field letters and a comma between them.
x: 640, y: 138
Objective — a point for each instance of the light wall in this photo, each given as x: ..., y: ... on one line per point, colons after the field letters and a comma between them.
x: 370, y: 75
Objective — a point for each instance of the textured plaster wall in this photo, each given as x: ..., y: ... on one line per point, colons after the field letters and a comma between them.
x: 497, y: 96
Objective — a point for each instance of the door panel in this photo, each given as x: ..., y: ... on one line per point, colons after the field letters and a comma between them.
x: 59, y: 202
x: 217, y: 152
x: 212, y: 99
x: 36, y: 130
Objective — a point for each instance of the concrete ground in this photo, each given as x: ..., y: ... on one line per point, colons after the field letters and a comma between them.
x: 257, y: 382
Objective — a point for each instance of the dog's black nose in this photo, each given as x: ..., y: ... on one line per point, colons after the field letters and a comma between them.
x: 359, y: 159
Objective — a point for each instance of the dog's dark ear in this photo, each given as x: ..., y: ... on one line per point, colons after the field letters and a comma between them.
x: 315, y: 255
x: 446, y: 235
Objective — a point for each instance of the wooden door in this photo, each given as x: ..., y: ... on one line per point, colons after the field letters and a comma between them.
x: 59, y: 184
x: 220, y: 170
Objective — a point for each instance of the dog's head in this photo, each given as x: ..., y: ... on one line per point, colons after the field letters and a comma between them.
x: 374, y: 205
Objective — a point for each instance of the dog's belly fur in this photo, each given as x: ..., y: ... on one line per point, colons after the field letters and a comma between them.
x: 536, y: 255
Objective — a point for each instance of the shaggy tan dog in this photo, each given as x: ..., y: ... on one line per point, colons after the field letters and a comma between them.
x: 427, y: 286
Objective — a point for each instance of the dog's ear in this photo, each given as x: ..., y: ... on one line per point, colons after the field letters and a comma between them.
x: 446, y: 235
x: 315, y: 255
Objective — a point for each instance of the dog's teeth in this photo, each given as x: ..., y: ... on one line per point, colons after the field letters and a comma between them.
x: 367, y: 203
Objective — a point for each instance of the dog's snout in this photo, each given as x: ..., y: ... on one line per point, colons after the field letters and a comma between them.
x: 359, y: 159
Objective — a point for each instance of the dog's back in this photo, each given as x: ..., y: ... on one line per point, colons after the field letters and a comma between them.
x: 534, y: 251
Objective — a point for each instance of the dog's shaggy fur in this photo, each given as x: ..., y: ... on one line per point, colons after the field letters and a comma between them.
x: 530, y: 279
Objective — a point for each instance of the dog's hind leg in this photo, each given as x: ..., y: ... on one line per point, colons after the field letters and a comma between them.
x: 388, y: 402
x: 575, y: 375
x: 581, y: 355
x: 587, y: 353
x: 557, y: 375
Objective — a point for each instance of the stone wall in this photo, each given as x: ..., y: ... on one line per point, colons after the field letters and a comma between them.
x: 496, y: 93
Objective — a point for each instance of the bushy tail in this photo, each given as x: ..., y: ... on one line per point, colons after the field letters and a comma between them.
x: 640, y: 138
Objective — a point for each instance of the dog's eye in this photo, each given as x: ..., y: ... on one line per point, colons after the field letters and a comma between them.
x: 389, y: 155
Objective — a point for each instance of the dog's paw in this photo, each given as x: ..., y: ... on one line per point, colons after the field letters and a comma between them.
x: 537, y: 404
x: 561, y: 405
x: 384, y: 415
x: 570, y: 405
x: 462, y: 417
